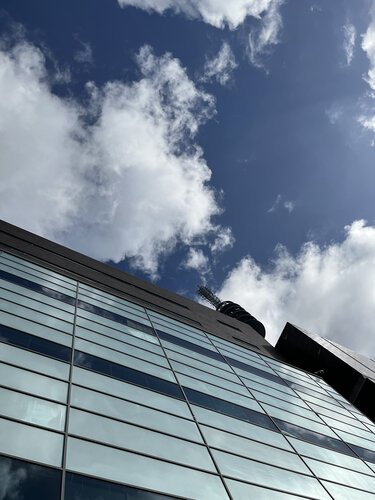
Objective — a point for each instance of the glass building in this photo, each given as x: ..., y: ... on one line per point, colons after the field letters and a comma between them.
x: 108, y: 396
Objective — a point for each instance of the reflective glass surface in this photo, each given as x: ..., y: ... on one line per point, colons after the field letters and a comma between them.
x: 20, y: 480
x: 79, y: 487
x: 129, y: 468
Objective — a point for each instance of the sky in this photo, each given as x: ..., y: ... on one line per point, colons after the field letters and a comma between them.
x: 228, y: 143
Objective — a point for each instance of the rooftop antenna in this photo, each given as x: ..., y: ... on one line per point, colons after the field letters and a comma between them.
x: 209, y: 295
x: 231, y: 309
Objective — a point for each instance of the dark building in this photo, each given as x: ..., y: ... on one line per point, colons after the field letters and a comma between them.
x: 114, y: 389
x: 350, y: 373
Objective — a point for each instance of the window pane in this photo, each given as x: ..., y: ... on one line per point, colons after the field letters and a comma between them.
x: 287, y: 404
x: 343, y: 493
x: 120, y: 332
x: 33, y: 361
x: 16, y: 378
x: 243, y: 491
x: 201, y: 357
x: 245, y: 429
x: 30, y: 409
x: 301, y: 421
x: 32, y: 343
x: 36, y: 329
x: 228, y: 408
x: 25, y: 481
x: 368, y: 443
x: 134, y: 438
x: 201, y: 366
x: 111, y: 305
x: 254, y: 450
x: 343, y: 476
x: 120, y: 346
x: 267, y: 475
x: 79, y: 487
x: 50, y: 321
x: 217, y: 392
x: 31, y: 443
x: 134, y: 413
x: 37, y: 303
x: 26, y: 292
x: 131, y: 392
x: 211, y: 379
x: 330, y: 456
x: 127, y: 374
x: 314, y: 437
x: 130, y: 468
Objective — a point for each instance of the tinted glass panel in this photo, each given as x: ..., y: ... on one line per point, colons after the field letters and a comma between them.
x: 220, y: 421
x: 130, y: 392
x: 104, y: 313
x: 252, y: 449
x: 79, y: 487
x: 340, y: 492
x: 269, y: 476
x: 31, y: 409
x: 130, y: 468
x: 127, y: 374
x: 36, y: 344
x: 190, y: 346
x: 21, y: 480
x: 255, y: 371
x: 131, y: 437
x: 243, y: 491
x: 363, y: 453
x: 134, y: 413
x: 40, y: 385
x: 36, y: 287
x: 30, y: 443
x: 313, y: 437
x: 228, y: 408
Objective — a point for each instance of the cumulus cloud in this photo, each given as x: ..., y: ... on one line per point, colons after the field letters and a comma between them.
x: 287, y: 204
x: 328, y: 291
x: 222, y: 13
x: 220, y: 68
x: 197, y: 260
x: 119, y: 177
x: 350, y: 33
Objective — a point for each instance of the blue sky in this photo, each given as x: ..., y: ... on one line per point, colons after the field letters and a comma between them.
x: 231, y: 146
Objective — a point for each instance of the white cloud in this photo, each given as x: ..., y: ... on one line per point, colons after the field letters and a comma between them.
x: 131, y: 184
x: 368, y: 46
x: 328, y: 291
x: 224, y: 241
x: 287, y: 204
x: 197, y: 260
x: 263, y: 37
x: 350, y: 33
x: 218, y: 13
x: 220, y: 68
x: 222, y: 13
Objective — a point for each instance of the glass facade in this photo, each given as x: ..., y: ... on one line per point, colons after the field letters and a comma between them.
x: 101, y: 398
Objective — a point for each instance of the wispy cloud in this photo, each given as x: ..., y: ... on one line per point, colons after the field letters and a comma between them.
x: 220, y: 67
x: 225, y: 13
x: 350, y: 34
x: 327, y: 290
x: 122, y: 176
x: 84, y: 54
x: 279, y: 203
x: 334, y: 113
x: 263, y: 37
x: 197, y: 260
